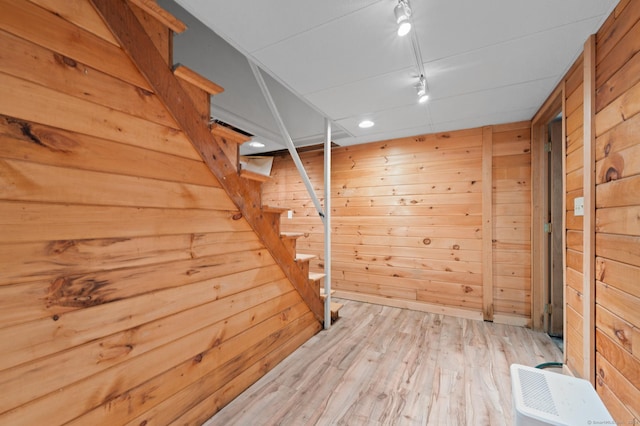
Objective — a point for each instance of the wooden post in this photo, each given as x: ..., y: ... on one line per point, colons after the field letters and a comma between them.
x: 487, y: 223
x: 588, y: 266
x: 564, y: 219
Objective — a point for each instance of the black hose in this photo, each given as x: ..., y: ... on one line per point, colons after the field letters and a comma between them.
x: 549, y: 365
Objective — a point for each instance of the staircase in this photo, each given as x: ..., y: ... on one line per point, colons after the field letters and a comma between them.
x: 231, y: 141
x: 186, y: 94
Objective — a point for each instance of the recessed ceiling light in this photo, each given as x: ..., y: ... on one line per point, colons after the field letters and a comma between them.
x: 256, y: 144
x: 365, y: 124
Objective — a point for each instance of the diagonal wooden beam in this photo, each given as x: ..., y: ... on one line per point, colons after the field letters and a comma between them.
x: 136, y: 43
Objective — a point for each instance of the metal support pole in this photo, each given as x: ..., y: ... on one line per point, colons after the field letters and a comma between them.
x: 287, y: 138
x: 327, y: 226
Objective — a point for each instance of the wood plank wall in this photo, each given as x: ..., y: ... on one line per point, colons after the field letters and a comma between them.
x: 512, y: 219
x: 617, y: 194
x: 131, y: 291
x: 407, y: 220
x: 285, y: 189
x: 574, y: 170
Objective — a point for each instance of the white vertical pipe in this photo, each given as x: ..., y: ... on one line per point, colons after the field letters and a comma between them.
x: 327, y: 226
x: 287, y: 138
x: 305, y: 178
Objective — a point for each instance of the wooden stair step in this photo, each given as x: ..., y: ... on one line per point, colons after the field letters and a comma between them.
x: 300, y: 257
x: 200, y: 90
x: 229, y: 141
x: 170, y: 21
x: 258, y: 177
x: 292, y: 234
x: 314, y: 280
x: 190, y: 76
x: 316, y: 276
x: 229, y: 134
x: 289, y: 239
x: 276, y: 210
x: 335, y: 310
x: 303, y: 262
x: 322, y: 294
x: 274, y: 215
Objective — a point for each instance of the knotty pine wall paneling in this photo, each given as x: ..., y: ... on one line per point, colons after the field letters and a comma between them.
x: 130, y: 289
x: 617, y: 212
x: 407, y: 220
x: 512, y: 220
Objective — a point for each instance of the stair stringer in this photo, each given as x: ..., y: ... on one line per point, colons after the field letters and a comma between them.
x: 134, y: 40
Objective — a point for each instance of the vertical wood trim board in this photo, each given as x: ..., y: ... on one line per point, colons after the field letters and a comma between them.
x: 487, y: 223
x: 589, y: 210
x: 564, y: 215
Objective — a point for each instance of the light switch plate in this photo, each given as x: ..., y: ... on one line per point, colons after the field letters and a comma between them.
x: 578, y: 206
x: 289, y: 214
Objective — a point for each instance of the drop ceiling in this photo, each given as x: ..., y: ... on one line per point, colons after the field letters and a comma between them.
x: 486, y: 62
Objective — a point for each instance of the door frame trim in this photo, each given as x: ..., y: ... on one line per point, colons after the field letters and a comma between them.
x: 554, y: 104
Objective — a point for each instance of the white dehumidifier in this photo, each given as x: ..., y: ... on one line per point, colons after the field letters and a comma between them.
x: 546, y: 398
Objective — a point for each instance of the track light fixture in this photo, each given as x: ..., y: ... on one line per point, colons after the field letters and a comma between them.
x: 403, y: 12
x: 403, y: 19
x: 423, y: 94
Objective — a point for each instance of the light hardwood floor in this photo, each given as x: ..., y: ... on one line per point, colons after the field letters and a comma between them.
x: 387, y: 366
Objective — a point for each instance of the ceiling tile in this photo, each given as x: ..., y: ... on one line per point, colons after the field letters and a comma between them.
x: 384, y: 135
x: 378, y: 93
x: 253, y: 25
x: 541, y: 55
x: 447, y: 28
x: 480, y: 120
x: 352, y: 48
x: 503, y: 99
x: 388, y: 120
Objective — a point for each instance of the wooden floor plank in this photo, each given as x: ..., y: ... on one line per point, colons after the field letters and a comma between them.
x: 380, y: 365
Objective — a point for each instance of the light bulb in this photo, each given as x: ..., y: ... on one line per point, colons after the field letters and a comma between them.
x: 423, y: 96
x: 404, y: 28
x: 403, y: 12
